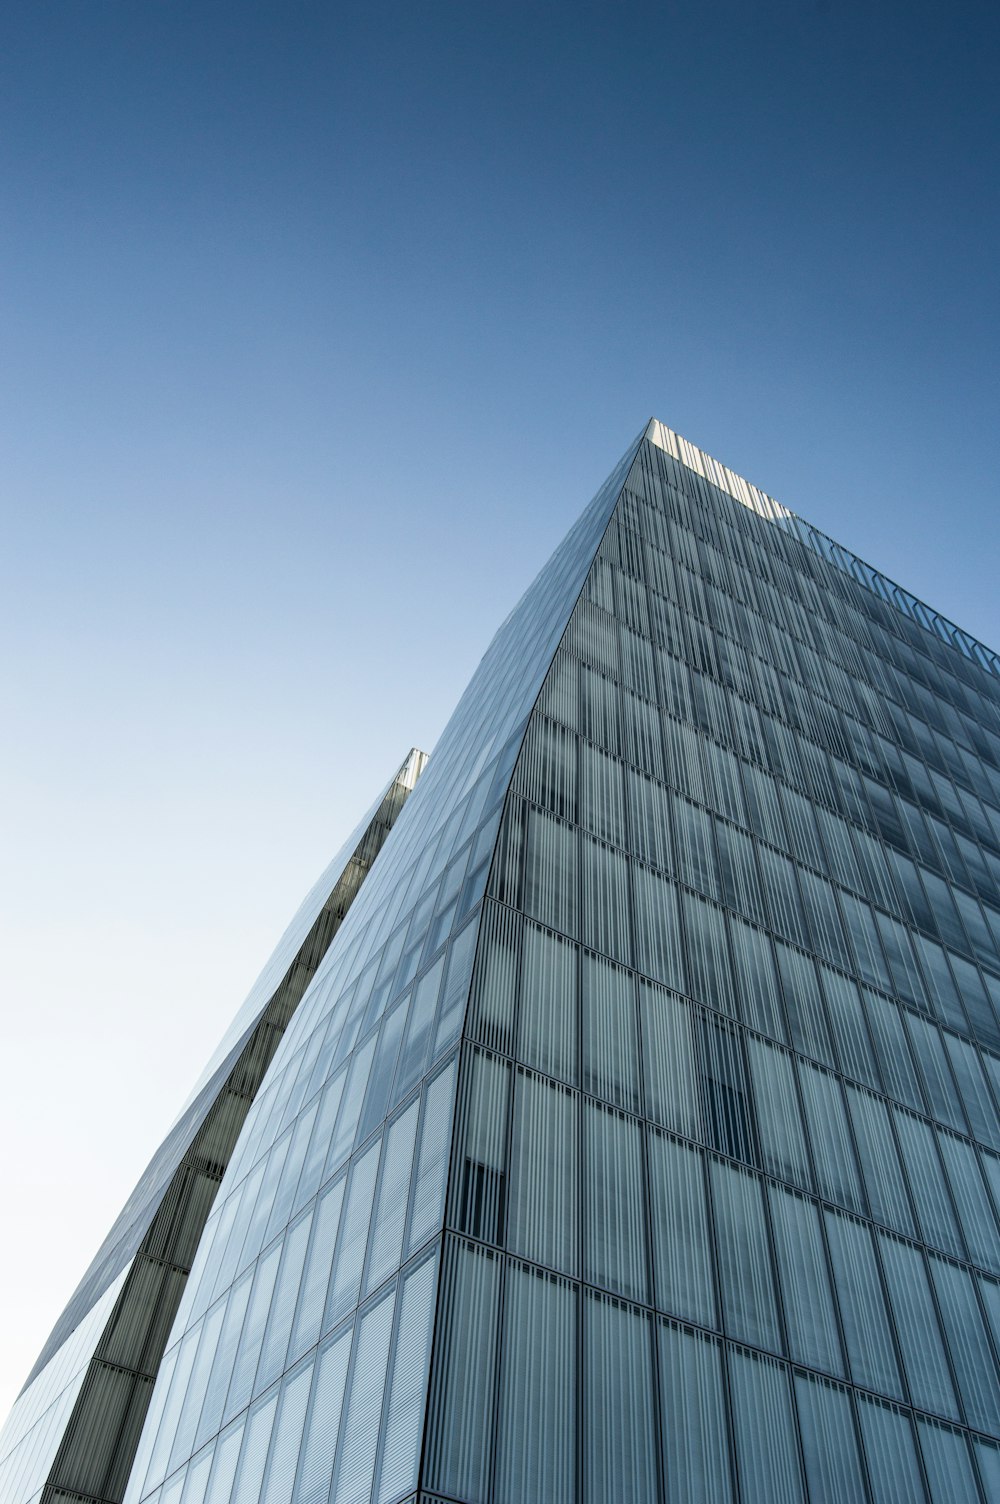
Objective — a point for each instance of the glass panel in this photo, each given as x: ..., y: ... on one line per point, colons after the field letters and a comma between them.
x: 681, y: 1243
x: 390, y: 1208
x: 363, y: 1410
x: 614, y: 1194
x: 833, y: 1151
x: 550, y: 872
x: 880, y: 1164
x: 765, y: 1431
x: 432, y: 1157
x: 917, y: 1326
x: 602, y: 802
x: 460, y: 1436
x: 248, y: 1354
x: 316, y: 1462
x: 804, y: 1004
x: 256, y: 1438
x: 757, y: 993
x: 480, y: 1182
x: 619, y: 1459
x: 930, y: 1193
x: 548, y: 1028
x: 950, y: 1475
x: 725, y: 1095
x: 543, y: 1215
x: 808, y: 1304
x: 286, y: 1291
x: 657, y: 928
x: 695, y: 1443
x: 536, y: 1451
x: 974, y: 1210
x: 610, y: 1060
x: 408, y: 1383
x: 850, y: 1030
x: 939, y: 1087
x: 782, y: 1140
x: 748, y: 1301
x: 892, y: 1047
x: 346, y: 1283
x: 829, y: 1445
x: 215, y: 1396
x: 287, y: 1438
x: 867, y: 1331
x: 671, y: 1077
x: 892, y: 1459
x: 227, y: 1451
x: 605, y: 920
x: 968, y: 1344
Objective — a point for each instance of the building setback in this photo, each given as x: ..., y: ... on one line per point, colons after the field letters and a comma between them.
x: 630, y: 1134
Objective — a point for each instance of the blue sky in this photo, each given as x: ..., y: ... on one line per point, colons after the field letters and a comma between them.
x: 320, y: 325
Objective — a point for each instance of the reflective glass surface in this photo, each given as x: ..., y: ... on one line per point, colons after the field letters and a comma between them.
x: 314, y: 1289
x: 76, y: 1424
x: 638, y: 1138
x: 726, y: 1151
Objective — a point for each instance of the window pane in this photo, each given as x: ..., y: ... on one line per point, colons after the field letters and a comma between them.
x: 605, y: 919
x: 765, y: 1431
x: 758, y: 995
x: 460, y: 1434
x: 782, y: 1140
x: 880, y: 1164
x: 480, y: 1186
x: 320, y: 1444
x: 547, y: 1028
x: 550, y: 872
x: 363, y: 1411
x: 808, y: 1305
x: 744, y: 1256
x: 346, y: 1283
x: 917, y: 1325
x: 536, y: 1452
x: 668, y: 1058
x: 833, y: 1151
x: 390, y: 1207
x: 930, y: 1194
x: 614, y: 1190
x: 543, y: 1215
x: 408, y: 1383
x: 432, y: 1157
x: 709, y: 974
x: 867, y: 1331
x: 681, y: 1244
x: 287, y: 1438
x: 946, y: 1457
x: 975, y: 1368
x: 725, y: 1094
x: 619, y: 1460
x: 610, y: 1063
x: 891, y: 1455
x: 695, y: 1444
x: 657, y: 928
x: 829, y: 1445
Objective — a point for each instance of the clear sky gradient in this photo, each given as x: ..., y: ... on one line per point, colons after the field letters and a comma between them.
x: 319, y: 325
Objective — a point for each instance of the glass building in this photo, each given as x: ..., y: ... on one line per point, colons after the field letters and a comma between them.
x: 633, y: 1135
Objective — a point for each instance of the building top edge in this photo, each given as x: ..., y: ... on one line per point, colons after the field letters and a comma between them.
x: 759, y: 501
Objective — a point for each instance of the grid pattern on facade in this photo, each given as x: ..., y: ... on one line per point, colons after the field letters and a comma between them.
x: 638, y: 1140
x: 296, y: 1368
x: 725, y: 1191
x: 75, y: 1429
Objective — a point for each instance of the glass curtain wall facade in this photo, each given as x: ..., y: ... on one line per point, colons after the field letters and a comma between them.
x: 637, y: 1140
x: 74, y: 1429
x: 723, y: 1208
